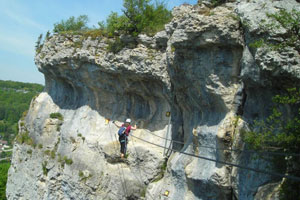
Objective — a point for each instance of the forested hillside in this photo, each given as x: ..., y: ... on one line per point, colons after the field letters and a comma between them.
x: 15, y: 98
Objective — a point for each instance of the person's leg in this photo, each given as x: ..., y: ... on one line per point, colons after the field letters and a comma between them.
x: 122, y: 149
x: 125, y: 146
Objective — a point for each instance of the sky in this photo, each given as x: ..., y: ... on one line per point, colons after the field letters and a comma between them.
x: 22, y: 21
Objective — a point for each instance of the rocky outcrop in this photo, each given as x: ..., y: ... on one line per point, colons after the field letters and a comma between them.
x: 200, y: 68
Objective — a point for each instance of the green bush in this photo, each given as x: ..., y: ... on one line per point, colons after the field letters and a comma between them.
x: 281, y: 132
x: 57, y: 115
x: 72, y: 24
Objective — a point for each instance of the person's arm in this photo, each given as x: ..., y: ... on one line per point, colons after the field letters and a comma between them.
x: 119, y: 126
x: 133, y: 127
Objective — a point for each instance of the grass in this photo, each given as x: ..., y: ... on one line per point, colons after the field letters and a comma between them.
x: 173, y: 49
x: 47, y: 152
x: 234, y: 16
x: 57, y: 115
x: 81, y: 174
x: 68, y: 161
x: 115, y: 46
x: 29, y: 151
x: 24, y: 138
x: 72, y: 140
x: 58, y: 127
x: 45, y: 170
x: 80, y: 135
x: 64, y: 160
x: 161, y: 174
x: 83, y: 177
x: 143, y: 192
x: 52, y: 154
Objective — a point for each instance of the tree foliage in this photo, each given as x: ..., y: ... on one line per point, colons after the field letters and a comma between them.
x: 281, y: 132
x: 72, y: 24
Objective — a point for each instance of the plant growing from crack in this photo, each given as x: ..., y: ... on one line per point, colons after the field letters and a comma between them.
x: 287, y: 20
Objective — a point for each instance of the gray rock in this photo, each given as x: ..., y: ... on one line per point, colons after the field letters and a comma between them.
x: 200, y: 68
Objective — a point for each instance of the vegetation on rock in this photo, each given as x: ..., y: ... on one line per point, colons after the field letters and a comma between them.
x: 24, y: 138
x: 72, y: 24
x: 139, y: 16
x: 287, y: 20
x: 57, y: 115
x: 281, y: 132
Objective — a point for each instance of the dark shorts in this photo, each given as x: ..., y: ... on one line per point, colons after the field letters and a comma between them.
x: 123, y: 142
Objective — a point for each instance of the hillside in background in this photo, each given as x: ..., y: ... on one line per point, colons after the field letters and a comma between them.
x: 15, y: 98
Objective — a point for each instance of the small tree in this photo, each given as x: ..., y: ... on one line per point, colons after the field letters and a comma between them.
x: 72, y: 24
x: 281, y: 132
x: 47, y: 35
x: 38, y: 42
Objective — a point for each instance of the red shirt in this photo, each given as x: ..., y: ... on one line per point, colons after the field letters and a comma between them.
x: 128, y: 129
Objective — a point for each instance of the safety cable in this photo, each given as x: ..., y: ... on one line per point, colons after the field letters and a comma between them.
x: 236, y: 150
x: 121, y: 172
x: 226, y: 163
x: 139, y: 169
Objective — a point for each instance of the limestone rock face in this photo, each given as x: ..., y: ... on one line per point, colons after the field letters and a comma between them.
x: 200, y: 69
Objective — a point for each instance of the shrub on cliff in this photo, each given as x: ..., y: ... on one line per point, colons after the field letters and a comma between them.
x: 72, y: 24
x: 281, y: 132
x: 139, y: 16
x: 287, y: 20
x: 57, y: 115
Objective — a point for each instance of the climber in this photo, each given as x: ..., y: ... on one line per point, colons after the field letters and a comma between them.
x: 123, y: 138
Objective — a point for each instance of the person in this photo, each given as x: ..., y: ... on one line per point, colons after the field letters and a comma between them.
x: 123, y: 139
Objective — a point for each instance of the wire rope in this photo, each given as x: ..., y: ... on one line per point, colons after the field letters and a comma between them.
x: 295, y: 178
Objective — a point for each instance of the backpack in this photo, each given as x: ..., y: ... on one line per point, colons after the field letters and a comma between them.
x: 121, y: 131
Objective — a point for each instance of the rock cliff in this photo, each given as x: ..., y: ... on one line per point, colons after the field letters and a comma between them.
x: 200, y: 69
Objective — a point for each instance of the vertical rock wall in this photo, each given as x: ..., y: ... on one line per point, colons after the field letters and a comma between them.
x: 200, y: 68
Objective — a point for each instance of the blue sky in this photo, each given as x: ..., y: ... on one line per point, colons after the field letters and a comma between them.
x: 22, y: 21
